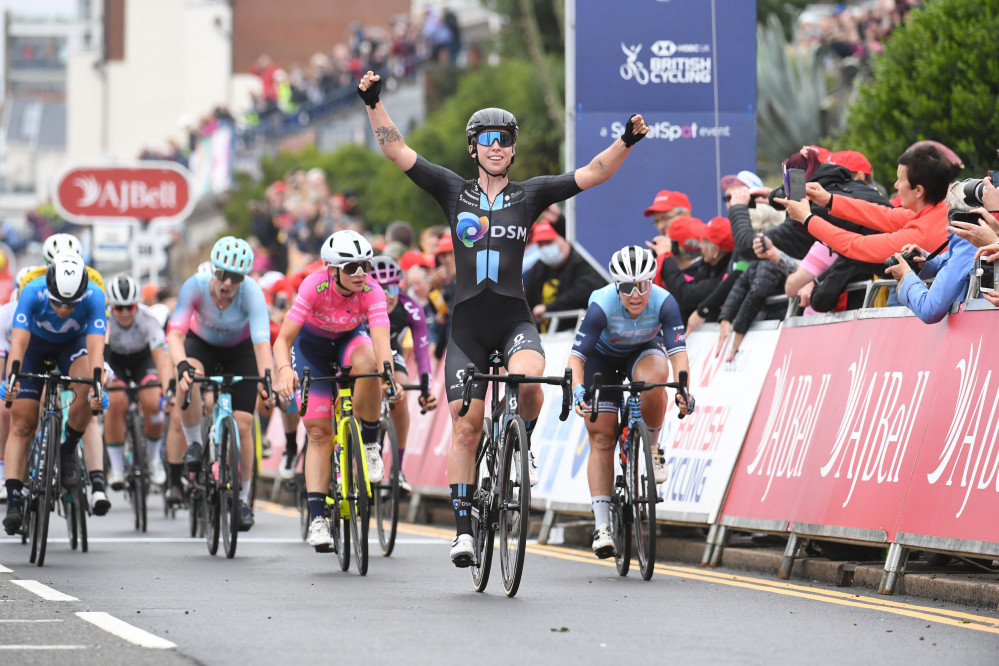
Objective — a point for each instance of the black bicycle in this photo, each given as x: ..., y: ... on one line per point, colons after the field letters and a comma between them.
x: 137, y: 479
x: 215, y: 491
x: 502, y: 499
x: 41, y: 484
x: 387, y: 492
x: 634, y: 499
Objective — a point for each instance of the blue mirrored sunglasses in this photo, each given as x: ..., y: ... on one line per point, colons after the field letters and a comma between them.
x: 391, y: 290
x: 487, y: 138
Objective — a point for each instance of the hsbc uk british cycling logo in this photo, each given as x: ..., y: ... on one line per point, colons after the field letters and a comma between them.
x: 669, y: 62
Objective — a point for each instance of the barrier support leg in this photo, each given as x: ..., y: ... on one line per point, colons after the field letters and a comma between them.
x: 894, y: 567
x: 546, y: 526
x: 414, y: 508
x: 721, y: 540
x: 709, y: 544
x: 791, y: 552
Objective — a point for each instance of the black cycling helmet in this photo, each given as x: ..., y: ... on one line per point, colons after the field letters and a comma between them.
x: 491, y: 118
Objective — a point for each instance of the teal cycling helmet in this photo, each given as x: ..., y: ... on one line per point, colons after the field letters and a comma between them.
x: 232, y: 254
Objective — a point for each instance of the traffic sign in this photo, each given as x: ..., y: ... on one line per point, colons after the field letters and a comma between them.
x: 134, y: 191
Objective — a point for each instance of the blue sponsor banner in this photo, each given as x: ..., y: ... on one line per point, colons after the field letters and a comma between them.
x: 689, y: 67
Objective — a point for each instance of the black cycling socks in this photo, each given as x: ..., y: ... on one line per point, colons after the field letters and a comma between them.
x: 461, y: 499
x: 317, y: 505
x: 176, y: 473
x: 14, y: 488
x: 97, y: 481
x: 291, y: 444
x: 369, y: 431
x: 72, y: 439
x: 530, y: 426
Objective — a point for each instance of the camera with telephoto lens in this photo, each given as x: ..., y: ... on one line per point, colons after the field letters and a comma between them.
x: 909, y: 259
x: 974, y: 189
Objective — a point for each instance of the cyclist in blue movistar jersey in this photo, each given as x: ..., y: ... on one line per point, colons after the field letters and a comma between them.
x: 221, y: 320
x: 630, y: 329
x: 62, y: 317
x: 490, y: 218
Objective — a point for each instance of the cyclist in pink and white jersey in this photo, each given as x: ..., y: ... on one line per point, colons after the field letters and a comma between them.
x: 338, y: 318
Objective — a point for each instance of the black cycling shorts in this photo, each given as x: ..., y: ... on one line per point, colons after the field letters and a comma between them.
x: 237, y: 360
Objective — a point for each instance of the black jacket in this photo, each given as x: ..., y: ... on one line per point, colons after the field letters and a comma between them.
x: 573, y: 282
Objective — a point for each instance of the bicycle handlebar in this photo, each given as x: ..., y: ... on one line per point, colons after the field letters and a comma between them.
x: 227, y: 380
x: 471, y: 376
x: 307, y: 379
x: 16, y: 375
x: 635, y: 387
x: 423, y: 387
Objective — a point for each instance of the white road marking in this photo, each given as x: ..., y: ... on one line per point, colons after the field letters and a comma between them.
x: 44, y: 591
x: 4, y: 569
x: 126, y: 631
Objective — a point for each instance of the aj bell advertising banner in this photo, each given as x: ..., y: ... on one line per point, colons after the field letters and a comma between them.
x: 689, y: 67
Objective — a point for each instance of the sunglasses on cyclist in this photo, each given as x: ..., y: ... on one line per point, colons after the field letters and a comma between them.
x: 355, y: 267
x: 488, y: 138
x: 391, y: 290
x: 629, y: 288
x: 124, y: 308
x: 56, y: 303
x: 234, y: 278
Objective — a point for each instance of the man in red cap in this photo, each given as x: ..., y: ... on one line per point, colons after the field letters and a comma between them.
x: 666, y: 207
x: 686, y: 233
x: 858, y: 165
x: 693, y: 289
x: 561, y: 279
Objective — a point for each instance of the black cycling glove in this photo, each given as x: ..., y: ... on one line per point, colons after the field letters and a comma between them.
x: 183, y: 367
x: 629, y: 137
x: 370, y: 96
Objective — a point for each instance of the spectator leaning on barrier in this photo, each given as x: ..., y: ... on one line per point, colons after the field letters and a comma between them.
x: 685, y: 234
x: 951, y: 269
x: 922, y: 219
x: 990, y: 201
x: 561, y: 279
x: 697, y: 293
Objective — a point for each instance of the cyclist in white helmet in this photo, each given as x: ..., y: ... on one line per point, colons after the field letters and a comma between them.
x: 338, y: 318
x: 6, y: 330
x: 632, y: 330
x: 135, y: 350
x: 220, y: 324
x: 61, y: 317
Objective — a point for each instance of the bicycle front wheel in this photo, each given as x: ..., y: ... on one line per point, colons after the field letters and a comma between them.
x: 357, y: 494
x: 515, y: 505
x: 483, y: 524
x: 138, y: 481
x: 229, y: 486
x: 387, y: 492
x: 212, y: 500
x: 642, y: 482
x: 49, y: 486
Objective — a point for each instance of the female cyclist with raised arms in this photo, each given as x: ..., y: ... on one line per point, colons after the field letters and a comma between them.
x: 135, y: 350
x: 404, y: 313
x: 630, y: 329
x: 490, y: 218
x: 221, y: 320
x: 324, y: 330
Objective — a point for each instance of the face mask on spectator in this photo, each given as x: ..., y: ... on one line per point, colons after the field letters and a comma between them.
x: 550, y: 254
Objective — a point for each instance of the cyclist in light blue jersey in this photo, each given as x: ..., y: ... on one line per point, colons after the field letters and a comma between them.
x: 62, y: 317
x: 220, y: 324
x: 632, y: 330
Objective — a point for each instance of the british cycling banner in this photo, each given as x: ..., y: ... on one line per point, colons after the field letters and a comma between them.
x: 689, y: 67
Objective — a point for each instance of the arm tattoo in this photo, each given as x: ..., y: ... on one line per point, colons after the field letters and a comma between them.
x: 599, y: 165
x: 786, y: 264
x: 387, y: 134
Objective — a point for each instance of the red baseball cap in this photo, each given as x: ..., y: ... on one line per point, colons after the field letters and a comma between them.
x: 852, y: 160
x: 949, y: 154
x: 415, y: 258
x: 687, y: 232
x: 822, y: 153
x: 543, y: 231
x: 446, y: 244
x: 718, y: 230
x: 666, y: 201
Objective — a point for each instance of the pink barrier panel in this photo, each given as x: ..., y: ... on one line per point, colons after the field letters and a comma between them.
x: 954, y: 489
x: 425, y: 462
x: 835, y: 436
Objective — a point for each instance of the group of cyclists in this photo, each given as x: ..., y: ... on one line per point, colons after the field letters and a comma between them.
x: 346, y: 310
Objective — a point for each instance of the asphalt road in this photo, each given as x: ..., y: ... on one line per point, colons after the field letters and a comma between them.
x: 160, y: 598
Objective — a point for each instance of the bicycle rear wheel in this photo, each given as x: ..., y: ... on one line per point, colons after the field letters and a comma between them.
x: 211, y: 504
x: 620, y: 527
x: 339, y: 515
x: 387, y: 492
x: 357, y: 489
x: 229, y: 480
x: 643, y: 498
x: 515, y: 505
x: 138, y: 481
x: 483, y: 525
x: 49, y: 489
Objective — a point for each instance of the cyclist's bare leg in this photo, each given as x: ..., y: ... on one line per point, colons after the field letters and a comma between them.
x: 653, y: 368
x: 93, y: 447
x: 465, y: 433
x: 149, y: 405
x: 528, y: 362
x: 367, y: 392
x: 79, y: 411
x: 114, y: 417
x: 23, y: 419
x: 600, y: 466
x: 244, y: 423
x: 319, y: 433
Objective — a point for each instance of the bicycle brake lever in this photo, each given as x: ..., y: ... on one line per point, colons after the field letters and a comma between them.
x: 306, y: 379
x: 466, y: 396
x: 598, y: 379
x: 15, y: 368
x: 97, y: 389
x: 566, y: 394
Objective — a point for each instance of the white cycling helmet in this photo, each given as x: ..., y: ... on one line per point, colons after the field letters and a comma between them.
x: 122, y: 290
x: 57, y: 243
x: 21, y: 274
x: 344, y: 247
x: 66, y: 278
x: 632, y: 263
x: 232, y: 254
